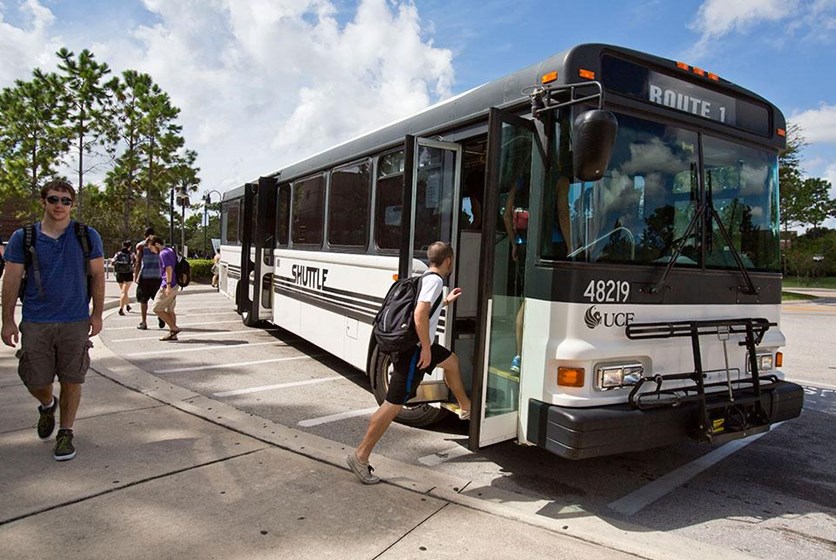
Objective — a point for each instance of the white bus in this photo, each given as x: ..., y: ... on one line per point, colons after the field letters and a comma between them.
x: 615, y: 221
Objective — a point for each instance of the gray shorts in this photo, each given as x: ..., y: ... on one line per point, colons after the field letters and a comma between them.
x: 48, y: 350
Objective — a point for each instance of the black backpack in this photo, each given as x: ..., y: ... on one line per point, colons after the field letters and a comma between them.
x: 30, y: 257
x: 122, y: 263
x: 182, y: 271
x: 394, y: 325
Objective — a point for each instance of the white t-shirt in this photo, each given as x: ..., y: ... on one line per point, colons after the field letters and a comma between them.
x: 431, y: 287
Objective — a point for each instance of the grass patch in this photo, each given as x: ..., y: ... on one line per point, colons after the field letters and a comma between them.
x: 792, y: 296
x: 825, y: 282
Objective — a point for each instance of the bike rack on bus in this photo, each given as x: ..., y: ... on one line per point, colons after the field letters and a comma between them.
x: 544, y: 98
x: 722, y: 415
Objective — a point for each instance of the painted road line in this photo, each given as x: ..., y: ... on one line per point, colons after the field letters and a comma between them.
x: 443, y: 456
x: 205, y: 348
x: 659, y: 488
x: 336, y: 417
x: 178, y: 325
x: 273, y: 387
x: 237, y: 364
x: 182, y: 336
x: 813, y: 384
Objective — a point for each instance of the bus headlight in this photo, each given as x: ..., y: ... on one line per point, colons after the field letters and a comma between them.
x: 765, y: 362
x: 612, y: 376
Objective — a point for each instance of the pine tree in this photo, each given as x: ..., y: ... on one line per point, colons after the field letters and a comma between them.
x: 85, y: 97
x: 33, y: 136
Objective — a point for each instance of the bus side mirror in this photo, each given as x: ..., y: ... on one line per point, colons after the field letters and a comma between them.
x: 595, y: 132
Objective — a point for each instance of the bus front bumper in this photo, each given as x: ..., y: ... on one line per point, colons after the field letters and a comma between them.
x: 582, y: 433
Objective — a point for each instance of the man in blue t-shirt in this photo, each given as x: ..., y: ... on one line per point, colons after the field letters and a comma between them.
x: 57, y: 322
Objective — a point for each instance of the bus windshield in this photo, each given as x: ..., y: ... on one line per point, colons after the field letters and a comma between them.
x: 641, y: 210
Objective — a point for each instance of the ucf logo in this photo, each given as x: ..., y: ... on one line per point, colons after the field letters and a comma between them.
x: 594, y: 318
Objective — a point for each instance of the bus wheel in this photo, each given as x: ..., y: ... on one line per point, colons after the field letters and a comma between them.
x: 246, y: 316
x: 420, y: 415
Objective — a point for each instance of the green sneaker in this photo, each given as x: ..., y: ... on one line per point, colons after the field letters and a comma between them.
x: 64, y: 449
x: 46, y: 423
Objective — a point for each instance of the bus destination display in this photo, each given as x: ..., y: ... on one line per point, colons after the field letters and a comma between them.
x: 661, y: 89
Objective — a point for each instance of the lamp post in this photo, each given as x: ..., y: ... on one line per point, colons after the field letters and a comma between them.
x: 183, y: 201
x: 206, y: 201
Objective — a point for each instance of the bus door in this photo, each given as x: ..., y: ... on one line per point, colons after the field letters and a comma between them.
x: 514, y: 165
x: 255, y: 289
x: 430, y: 212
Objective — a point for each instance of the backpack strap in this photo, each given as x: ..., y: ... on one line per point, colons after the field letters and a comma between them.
x: 83, y: 235
x: 30, y: 256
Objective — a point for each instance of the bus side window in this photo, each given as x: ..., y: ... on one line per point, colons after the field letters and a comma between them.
x: 308, y: 210
x: 388, y: 199
x: 283, y: 216
x: 348, y: 209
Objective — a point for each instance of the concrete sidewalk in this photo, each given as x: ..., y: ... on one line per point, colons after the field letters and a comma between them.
x: 163, y: 472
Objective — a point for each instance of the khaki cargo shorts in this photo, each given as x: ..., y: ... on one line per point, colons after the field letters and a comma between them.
x: 50, y: 350
x: 165, y: 302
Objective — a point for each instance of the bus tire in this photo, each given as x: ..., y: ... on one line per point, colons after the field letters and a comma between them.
x: 418, y: 416
x: 246, y: 315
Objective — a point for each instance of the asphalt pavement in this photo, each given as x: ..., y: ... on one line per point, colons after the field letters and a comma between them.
x: 163, y: 472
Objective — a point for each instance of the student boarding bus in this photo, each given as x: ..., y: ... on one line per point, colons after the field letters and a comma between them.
x: 615, y: 221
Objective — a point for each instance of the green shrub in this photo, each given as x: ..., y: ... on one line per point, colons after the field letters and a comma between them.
x: 201, y: 269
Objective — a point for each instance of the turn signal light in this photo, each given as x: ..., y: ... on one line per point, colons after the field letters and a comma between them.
x: 588, y: 74
x: 570, y: 377
x: 394, y: 278
x: 781, y: 132
x: 548, y: 78
x: 779, y: 359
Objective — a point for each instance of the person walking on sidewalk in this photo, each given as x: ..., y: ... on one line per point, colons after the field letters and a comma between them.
x: 57, y: 322
x: 216, y: 268
x: 123, y: 266
x: 146, y: 275
x: 167, y: 297
x: 410, y: 367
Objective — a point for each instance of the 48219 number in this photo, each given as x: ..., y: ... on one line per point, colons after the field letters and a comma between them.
x: 607, y: 291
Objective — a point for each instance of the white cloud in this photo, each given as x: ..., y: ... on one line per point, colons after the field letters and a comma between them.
x: 830, y: 175
x: 263, y: 83
x: 24, y: 48
x: 800, y: 21
x: 817, y: 125
x: 716, y: 18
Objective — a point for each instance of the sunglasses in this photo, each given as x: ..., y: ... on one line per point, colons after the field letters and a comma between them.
x: 66, y: 201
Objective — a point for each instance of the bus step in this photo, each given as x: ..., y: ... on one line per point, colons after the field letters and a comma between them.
x: 734, y: 420
x: 724, y: 437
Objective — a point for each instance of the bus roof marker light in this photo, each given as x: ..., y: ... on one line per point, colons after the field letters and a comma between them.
x: 588, y: 74
x: 781, y: 132
x: 548, y: 78
x: 699, y: 71
x: 713, y: 76
x: 683, y: 66
x: 570, y: 376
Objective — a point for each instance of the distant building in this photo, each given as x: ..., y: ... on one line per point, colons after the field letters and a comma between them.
x: 8, y: 222
x: 787, y: 239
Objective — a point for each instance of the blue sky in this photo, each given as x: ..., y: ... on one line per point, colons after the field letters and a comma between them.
x: 264, y: 82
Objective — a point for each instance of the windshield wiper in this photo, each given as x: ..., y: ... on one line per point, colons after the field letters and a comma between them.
x: 708, y: 206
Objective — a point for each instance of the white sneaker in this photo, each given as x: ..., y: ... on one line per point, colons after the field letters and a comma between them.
x: 363, y: 472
